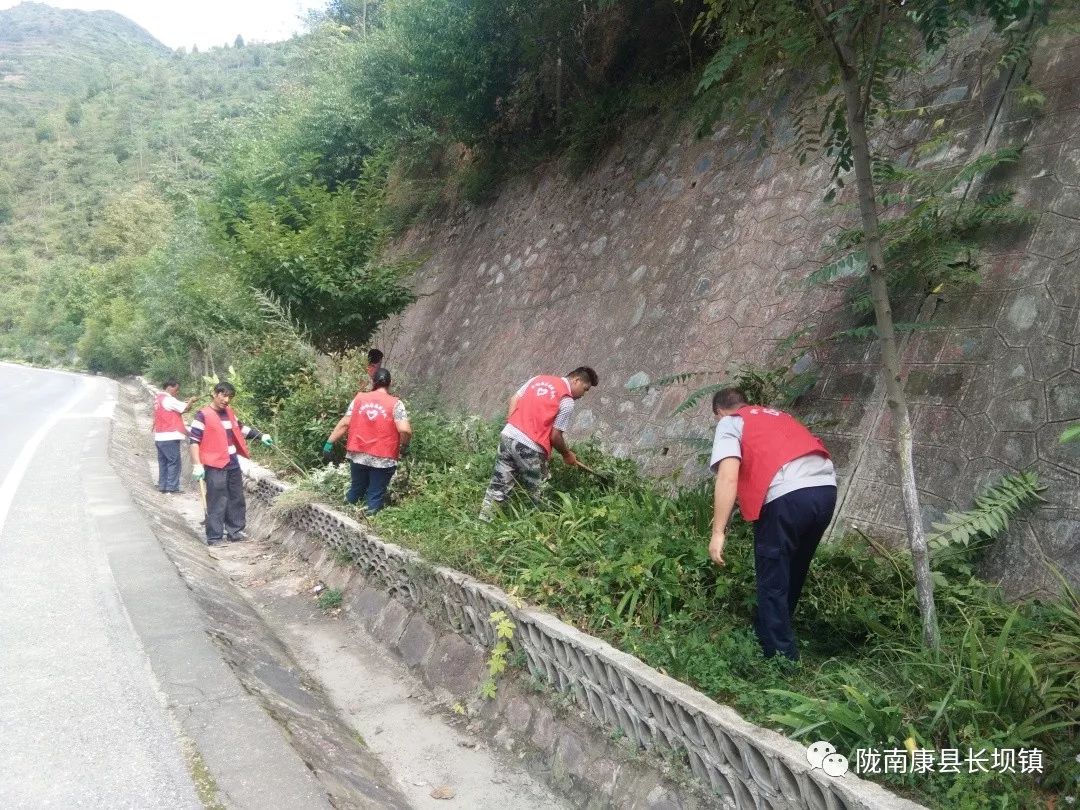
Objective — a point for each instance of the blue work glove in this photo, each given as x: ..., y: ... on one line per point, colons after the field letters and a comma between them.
x: 198, y: 472
x: 266, y: 440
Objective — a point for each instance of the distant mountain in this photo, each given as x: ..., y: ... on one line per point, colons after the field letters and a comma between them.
x: 95, y: 114
x: 65, y: 50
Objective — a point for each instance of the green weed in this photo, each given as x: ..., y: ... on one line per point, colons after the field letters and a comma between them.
x: 330, y: 599
x: 627, y: 561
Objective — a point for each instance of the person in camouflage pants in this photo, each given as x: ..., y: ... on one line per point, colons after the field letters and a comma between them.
x: 516, y: 460
x: 536, y: 419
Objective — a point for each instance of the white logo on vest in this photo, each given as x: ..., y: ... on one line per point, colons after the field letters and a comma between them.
x: 544, y: 390
x: 372, y: 410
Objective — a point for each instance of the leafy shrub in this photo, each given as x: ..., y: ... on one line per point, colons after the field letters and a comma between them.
x: 269, y: 373
x: 163, y: 366
x: 317, y: 250
x: 306, y: 417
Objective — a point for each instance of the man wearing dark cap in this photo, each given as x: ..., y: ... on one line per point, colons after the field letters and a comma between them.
x: 378, y: 433
x: 538, y: 416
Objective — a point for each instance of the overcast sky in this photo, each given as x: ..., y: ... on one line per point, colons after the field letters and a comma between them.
x: 203, y: 22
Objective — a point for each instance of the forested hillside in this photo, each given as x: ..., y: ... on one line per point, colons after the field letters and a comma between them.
x: 133, y: 176
x: 108, y: 141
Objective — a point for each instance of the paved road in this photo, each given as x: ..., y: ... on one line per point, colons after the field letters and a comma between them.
x: 81, y: 719
x: 112, y: 695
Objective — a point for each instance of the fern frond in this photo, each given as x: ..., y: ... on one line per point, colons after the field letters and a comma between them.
x: 990, y: 514
x: 675, y: 379
x: 721, y: 63
x: 697, y: 396
x: 871, y: 332
x: 853, y: 264
x: 981, y: 165
x: 277, y: 315
x: 1071, y: 434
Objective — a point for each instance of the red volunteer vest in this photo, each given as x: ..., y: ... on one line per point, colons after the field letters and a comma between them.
x: 536, y: 409
x: 214, y: 447
x: 770, y: 439
x: 371, y: 427
x: 166, y: 421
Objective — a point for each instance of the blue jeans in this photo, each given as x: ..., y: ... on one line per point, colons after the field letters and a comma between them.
x: 786, y: 535
x: 168, y: 465
x: 371, y: 482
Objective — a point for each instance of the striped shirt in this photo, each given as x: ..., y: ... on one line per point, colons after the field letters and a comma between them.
x: 196, y: 429
x: 562, y: 419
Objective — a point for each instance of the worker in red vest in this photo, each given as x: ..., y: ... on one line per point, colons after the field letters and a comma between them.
x: 378, y: 434
x: 783, y: 479
x: 169, y: 431
x: 536, y: 420
x: 217, y: 440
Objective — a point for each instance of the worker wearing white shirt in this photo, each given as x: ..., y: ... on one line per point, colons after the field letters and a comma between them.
x: 169, y: 431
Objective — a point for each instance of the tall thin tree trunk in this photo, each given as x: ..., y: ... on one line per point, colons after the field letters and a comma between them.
x: 894, y: 388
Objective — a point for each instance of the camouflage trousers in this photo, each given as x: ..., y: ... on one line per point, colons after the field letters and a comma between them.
x: 515, y: 462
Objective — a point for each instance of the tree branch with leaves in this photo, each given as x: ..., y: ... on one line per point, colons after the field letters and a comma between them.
x: 857, y: 52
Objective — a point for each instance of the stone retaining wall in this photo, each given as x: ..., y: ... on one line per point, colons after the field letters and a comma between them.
x: 685, y: 254
x: 745, y: 765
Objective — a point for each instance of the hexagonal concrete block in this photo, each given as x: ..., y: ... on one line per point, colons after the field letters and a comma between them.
x: 1023, y: 408
x: 1024, y: 315
x: 1055, y: 237
x: 1063, y: 397
x: 977, y: 434
x: 936, y: 384
x: 1064, y: 456
x: 1016, y: 450
x: 1049, y: 357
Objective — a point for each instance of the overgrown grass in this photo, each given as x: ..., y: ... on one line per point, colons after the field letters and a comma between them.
x: 626, y: 561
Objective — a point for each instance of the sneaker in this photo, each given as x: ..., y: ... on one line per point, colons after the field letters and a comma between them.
x: 217, y: 541
x: 237, y: 537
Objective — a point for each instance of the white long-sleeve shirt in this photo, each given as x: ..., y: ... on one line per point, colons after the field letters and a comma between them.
x: 171, y: 403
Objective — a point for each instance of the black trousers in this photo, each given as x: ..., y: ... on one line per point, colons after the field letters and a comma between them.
x: 786, y: 535
x: 226, y: 509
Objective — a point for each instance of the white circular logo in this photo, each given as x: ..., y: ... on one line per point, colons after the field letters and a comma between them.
x: 817, y: 752
x: 835, y: 765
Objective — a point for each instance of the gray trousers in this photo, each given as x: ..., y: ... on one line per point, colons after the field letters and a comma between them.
x: 226, y: 509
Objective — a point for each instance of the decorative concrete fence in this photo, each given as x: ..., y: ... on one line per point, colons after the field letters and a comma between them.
x: 749, y: 767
